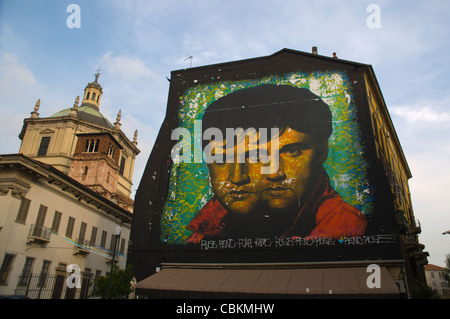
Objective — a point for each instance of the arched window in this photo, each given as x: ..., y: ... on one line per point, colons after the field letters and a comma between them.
x: 92, y: 146
x: 87, y: 95
x: 85, y: 170
x: 111, y: 151
x: 97, y: 142
x: 93, y: 96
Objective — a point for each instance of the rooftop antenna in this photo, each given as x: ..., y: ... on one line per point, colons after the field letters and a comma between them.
x: 191, y: 58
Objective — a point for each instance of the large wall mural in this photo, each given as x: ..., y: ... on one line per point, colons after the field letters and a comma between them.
x: 265, y: 160
x: 296, y: 174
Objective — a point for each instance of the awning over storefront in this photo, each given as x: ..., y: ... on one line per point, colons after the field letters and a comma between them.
x: 270, y: 283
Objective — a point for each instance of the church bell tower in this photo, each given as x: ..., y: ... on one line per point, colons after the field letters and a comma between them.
x: 81, y: 142
x: 93, y: 92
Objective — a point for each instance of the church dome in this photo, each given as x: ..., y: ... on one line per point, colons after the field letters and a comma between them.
x: 88, y: 113
x: 89, y: 109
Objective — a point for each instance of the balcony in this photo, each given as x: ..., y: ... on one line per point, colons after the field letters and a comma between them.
x: 81, y: 248
x: 39, y: 235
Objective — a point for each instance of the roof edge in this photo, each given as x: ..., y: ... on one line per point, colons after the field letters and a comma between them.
x: 270, y: 56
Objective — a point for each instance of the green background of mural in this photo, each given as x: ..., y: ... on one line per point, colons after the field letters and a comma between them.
x: 189, y: 187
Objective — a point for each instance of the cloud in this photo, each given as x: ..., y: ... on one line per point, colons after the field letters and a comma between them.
x: 423, y: 129
x: 425, y: 114
x: 129, y: 83
x: 17, y: 84
x: 125, y: 66
x: 428, y: 185
x: 13, y: 71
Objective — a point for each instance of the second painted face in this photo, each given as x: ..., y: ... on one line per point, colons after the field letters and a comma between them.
x: 290, y: 184
x: 234, y: 179
x: 241, y: 187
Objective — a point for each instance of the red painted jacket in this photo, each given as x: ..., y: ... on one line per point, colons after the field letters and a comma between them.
x: 334, y: 218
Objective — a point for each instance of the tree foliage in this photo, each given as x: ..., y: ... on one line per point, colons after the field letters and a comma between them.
x: 120, y: 284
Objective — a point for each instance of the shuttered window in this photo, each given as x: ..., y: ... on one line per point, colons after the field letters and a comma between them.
x: 82, y: 233
x: 103, y: 241
x: 70, y: 224
x: 23, y: 211
x: 93, y: 235
x: 40, y: 219
x: 56, y: 221
x: 6, y: 268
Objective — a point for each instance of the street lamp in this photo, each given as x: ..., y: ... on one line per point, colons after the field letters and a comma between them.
x: 116, y: 240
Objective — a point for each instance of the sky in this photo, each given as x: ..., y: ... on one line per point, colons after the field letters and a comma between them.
x: 50, y: 51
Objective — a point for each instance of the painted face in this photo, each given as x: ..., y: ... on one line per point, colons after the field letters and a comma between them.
x: 241, y: 187
x: 288, y: 186
x: 235, y: 180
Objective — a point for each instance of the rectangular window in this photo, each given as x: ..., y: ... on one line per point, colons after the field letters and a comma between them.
x: 103, y: 241
x: 122, y: 165
x: 93, y: 235
x: 70, y: 224
x: 44, y: 273
x: 82, y: 233
x: 112, y: 242
x: 23, y: 211
x: 6, y: 268
x: 45, y: 141
x: 26, y: 271
x: 122, y: 246
x: 85, y: 283
x: 40, y: 219
x: 56, y: 221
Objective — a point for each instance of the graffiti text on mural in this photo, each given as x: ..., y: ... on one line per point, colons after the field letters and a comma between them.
x: 276, y: 242
x: 235, y: 146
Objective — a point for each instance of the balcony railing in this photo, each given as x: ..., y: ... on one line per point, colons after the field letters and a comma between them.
x: 53, y: 286
x: 82, y: 247
x: 38, y: 234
